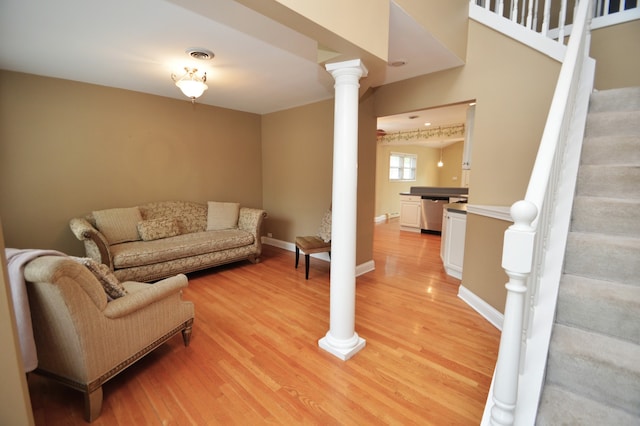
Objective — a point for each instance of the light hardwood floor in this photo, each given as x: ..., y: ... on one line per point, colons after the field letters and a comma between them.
x: 254, y: 357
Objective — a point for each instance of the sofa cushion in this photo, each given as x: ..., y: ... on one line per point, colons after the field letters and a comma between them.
x: 162, y: 227
x: 191, y: 216
x: 118, y: 225
x: 139, y: 253
x: 222, y: 215
x: 111, y: 285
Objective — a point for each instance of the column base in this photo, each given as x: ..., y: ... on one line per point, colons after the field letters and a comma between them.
x: 344, y: 353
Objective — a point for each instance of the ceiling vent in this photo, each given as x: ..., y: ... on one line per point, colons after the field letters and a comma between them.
x: 201, y: 54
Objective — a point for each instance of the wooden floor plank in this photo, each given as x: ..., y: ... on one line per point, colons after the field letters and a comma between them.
x: 254, y: 355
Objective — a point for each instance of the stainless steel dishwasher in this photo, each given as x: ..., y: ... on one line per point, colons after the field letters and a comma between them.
x: 431, y: 213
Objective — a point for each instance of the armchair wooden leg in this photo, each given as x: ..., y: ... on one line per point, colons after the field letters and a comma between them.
x: 92, y: 404
x: 186, y: 335
x: 186, y: 332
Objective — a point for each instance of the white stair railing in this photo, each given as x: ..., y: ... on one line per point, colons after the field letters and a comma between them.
x: 556, y: 21
x: 532, y: 253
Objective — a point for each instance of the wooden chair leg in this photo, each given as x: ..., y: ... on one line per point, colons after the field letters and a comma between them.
x: 92, y: 405
x: 297, y: 256
x: 306, y: 266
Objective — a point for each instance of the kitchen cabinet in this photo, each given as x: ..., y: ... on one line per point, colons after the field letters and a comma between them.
x: 410, y: 212
x: 454, y: 228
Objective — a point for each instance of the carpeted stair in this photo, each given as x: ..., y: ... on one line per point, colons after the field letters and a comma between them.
x: 593, y: 369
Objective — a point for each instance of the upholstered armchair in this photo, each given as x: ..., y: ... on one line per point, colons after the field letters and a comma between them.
x: 83, y: 338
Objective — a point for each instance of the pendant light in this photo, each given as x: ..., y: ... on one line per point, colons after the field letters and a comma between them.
x: 192, y: 85
x: 440, y: 163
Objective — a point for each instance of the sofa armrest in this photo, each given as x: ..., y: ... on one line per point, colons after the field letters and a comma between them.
x: 95, y: 243
x: 137, y: 300
x: 250, y: 220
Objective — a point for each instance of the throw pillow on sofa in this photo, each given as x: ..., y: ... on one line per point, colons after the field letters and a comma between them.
x: 118, y: 225
x: 222, y: 215
x: 110, y: 283
x: 162, y: 227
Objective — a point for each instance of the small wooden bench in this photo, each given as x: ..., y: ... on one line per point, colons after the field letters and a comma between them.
x: 310, y: 245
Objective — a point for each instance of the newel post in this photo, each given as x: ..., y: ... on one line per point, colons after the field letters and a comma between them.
x: 517, y: 259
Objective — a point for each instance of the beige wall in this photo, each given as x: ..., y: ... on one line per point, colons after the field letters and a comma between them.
x: 366, y: 178
x: 617, y: 54
x: 450, y: 174
x: 482, y: 270
x: 509, y: 120
x: 15, y: 405
x: 337, y: 16
x: 297, y: 147
x: 509, y: 115
x: 67, y: 148
x: 428, y: 173
x: 446, y: 20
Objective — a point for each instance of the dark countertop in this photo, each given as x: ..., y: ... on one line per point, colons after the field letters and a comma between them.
x: 456, y: 207
x: 438, y: 191
x: 436, y: 194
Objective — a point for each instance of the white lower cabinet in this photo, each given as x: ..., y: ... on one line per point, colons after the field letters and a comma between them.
x: 454, y: 227
x: 410, y: 212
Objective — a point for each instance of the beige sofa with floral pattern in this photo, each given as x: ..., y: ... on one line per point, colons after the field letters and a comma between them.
x: 157, y: 240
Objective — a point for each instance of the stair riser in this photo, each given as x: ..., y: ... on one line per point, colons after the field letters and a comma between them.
x: 603, y: 258
x: 611, y: 150
x: 605, y: 216
x: 612, y: 182
x: 615, y: 100
x: 600, y: 381
x: 618, y: 307
x: 613, y: 124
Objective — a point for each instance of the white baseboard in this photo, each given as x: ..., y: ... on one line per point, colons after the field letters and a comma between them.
x: 365, y: 267
x: 360, y: 269
x: 490, y: 313
x: 380, y: 218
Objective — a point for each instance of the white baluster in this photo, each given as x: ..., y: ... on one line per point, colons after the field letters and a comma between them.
x: 500, y: 7
x: 535, y: 16
x: 545, y: 17
x: 561, y: 18
x: 517, y: 259
x: 621, y: 6
x: 514, y: 11
x: 530, y: 15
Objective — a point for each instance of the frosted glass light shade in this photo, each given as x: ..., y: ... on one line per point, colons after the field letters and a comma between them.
x: 192, y: 88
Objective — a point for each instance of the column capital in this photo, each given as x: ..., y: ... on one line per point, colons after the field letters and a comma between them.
x: 353, y: 63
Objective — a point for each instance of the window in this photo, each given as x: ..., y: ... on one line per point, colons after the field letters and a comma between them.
x: 402, y: 166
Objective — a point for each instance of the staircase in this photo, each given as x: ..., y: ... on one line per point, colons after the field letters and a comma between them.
x: 593, y: 368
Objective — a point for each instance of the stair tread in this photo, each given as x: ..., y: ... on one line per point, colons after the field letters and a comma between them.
x: 585, y: 344
x: 606, y: 215
x: 595, y: 366
x: 613, y: 123
x: 561, y: 406
x: 618, y: 305
x: 615, y: 99
x: 609, y: 180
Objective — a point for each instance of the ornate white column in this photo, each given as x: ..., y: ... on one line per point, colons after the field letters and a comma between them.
x: 341, y: 340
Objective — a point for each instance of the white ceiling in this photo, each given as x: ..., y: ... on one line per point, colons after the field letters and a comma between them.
x: 441, y: 116
x: 260, y: 66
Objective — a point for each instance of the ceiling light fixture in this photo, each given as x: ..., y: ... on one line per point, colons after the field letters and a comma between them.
x: 191, y: 84
x: 440, y: 163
